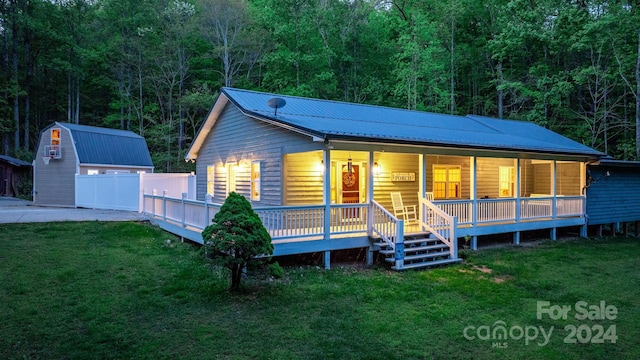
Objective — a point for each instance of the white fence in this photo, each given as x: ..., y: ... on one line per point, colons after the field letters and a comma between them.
x: 125, y: 191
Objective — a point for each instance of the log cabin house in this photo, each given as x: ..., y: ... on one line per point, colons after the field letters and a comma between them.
x: 323, y: 175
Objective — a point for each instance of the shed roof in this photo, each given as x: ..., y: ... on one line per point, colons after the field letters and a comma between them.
x: 97, y: 145
x: 13, y: 161
x: 617, y: 163
x: 334, y: 120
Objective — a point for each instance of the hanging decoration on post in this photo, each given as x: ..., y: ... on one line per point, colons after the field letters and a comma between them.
x: 349, y: 165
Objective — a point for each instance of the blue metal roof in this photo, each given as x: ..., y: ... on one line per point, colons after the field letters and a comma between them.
x: 96, y: 145
x: 341, y: 120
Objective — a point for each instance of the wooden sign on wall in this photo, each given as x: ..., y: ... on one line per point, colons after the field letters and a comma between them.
x: 403, y: 176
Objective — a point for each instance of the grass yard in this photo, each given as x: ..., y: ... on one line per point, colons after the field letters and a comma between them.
x: 117, y: 291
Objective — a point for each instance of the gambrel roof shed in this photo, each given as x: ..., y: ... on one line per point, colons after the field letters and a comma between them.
x: 105, y: 146
x: 68, y: 150
x: 325, y: 120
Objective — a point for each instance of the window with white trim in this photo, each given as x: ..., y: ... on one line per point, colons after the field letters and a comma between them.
x: 231, y: 177
x: 507, y: 181
x: 255, y: 181
x: 55, y: 137
x: 211, y: 170
x: 446, y: 181
x: 93, y: 172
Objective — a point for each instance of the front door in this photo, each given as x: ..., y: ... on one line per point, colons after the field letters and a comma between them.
x: 350, y: 184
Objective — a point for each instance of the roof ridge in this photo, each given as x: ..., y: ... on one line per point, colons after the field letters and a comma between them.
x: 338, y: 102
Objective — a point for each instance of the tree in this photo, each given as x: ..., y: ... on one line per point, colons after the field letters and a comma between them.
x: 237, y: 237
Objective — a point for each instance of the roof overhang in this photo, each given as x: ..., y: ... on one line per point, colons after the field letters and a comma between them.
x: 342, y: 143
x: 213, y: 116
x: 221, y: 101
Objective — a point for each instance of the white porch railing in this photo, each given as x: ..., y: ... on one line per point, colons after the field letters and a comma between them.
x: 440, y: 224
x: 439, y: 217
x: 282, y: 222
x: 390, y: 229
x: 506, y: 210
x: 188, y: 213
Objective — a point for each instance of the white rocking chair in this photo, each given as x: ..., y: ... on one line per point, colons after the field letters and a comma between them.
x: 408, y: 213
x: 429, y: 196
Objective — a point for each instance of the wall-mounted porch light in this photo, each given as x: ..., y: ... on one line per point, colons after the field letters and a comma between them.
x: 376, y: 168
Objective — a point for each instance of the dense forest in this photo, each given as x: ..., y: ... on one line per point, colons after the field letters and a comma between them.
x: 155, y: 66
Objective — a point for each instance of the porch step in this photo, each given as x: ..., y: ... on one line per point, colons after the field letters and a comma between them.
x: 414, y: 249
x: 421, y: 265
x: 420, y: 251
x: 431, y: 255
x: 413, y: 240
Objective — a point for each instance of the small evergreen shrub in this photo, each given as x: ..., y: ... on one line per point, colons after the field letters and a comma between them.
x: 237, y: 237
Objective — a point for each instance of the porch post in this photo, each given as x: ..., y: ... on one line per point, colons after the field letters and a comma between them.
x: 370, y: 192
x: 516, y: 236
x: 554, y: 172
x: 422, y: 186
x: 422, y: 167
x: 554, y: 203
x: 474, y: 190
x: 583, y: 193
x: 327, y: 203
x: 371, y: 178
x: 399, y: 246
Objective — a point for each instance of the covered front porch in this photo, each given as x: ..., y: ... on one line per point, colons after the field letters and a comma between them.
x: 341, y: 199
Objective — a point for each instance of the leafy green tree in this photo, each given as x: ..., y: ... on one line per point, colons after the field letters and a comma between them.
x: 237, y: 237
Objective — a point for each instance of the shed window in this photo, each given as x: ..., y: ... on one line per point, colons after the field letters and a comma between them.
x: 210, y: 183
x: 446, y: 181
x: 507, y: 181
x: 93, y: 172
x: 115, y: 172
x: 55, y: 137
x: 255, y: 181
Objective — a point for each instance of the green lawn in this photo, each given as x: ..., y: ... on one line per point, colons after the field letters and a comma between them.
x: 116, y: 290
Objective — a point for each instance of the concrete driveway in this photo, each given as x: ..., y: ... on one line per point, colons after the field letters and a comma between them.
x: 14, y: 210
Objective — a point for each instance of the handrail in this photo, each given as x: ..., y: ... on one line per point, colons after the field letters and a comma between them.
x: 390, y: 229
x: 385, y: 224
x: 440, y: 224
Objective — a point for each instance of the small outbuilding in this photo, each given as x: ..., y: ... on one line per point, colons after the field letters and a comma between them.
x: 13, y: 172
x: 613, y: 195
x: 66, y: 150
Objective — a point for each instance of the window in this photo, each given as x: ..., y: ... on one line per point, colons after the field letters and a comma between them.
x: 507, y: 181
x: 231, y: 177
x: 55, y: 137
x: 210, y: 173
x: 255, y: 181
x: 446, y: 181
x: 53, y: 149
x: 115, y: 172
x: 92, y: 172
